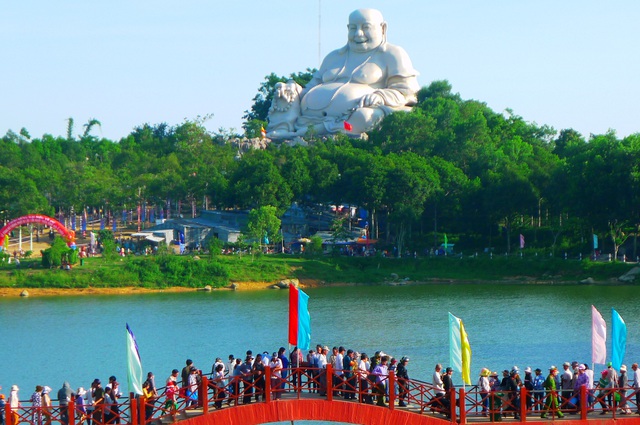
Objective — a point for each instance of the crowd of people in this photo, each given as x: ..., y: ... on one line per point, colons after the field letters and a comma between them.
x: 353, y: 375
x: 559, y: 391
x: 95, y: 405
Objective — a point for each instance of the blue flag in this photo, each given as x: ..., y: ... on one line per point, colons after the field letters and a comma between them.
x: 618, y: 339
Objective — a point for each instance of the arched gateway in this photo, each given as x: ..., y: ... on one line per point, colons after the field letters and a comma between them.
x: 68, y: 235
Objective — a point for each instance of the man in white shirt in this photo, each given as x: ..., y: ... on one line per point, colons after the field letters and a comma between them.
x: 215, y: 365
x: 636, y: 385
x: 337, y: 371
x: 322, y: 365
x: 566, y: 382
x: 437, y: 401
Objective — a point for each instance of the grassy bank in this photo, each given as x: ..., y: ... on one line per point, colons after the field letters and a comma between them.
x: 157, y: 272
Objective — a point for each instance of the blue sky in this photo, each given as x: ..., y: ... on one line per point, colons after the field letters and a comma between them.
x: 568, y: 64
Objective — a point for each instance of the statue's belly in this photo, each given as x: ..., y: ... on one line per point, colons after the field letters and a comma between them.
x: 333, y: 99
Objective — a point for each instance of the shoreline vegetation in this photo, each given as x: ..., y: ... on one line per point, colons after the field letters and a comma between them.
x: 189, y: 273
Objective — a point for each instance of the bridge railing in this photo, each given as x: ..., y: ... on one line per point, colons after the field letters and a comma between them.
x: 124, y: 412
x: 457, y: 406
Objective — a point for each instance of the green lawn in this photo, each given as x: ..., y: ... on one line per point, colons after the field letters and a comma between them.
x: 190, y: 271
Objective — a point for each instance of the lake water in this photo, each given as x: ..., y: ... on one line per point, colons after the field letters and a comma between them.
x: 49, y: 340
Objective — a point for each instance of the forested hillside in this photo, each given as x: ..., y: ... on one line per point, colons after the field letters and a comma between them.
x: 451, y: 166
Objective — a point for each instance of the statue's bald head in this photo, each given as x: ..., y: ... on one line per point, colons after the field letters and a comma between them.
x: 367, y: 30
x: 372, y: 16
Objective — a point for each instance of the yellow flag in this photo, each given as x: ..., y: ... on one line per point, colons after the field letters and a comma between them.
x: 466, y: 355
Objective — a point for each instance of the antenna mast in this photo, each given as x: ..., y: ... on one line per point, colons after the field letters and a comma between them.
x: 319, y: 32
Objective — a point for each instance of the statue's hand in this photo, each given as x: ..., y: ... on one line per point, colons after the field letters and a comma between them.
x: 371, y: 99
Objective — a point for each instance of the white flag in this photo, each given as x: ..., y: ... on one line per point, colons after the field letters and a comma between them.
x: 134, y: 365
x: 598, y: 337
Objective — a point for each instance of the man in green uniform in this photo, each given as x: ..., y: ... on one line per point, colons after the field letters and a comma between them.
x: 552, y: 396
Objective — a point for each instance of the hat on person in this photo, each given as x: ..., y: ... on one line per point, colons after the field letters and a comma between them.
x: 46, y: 390
x: 393, y: 360
x: 404, y: 359
x: 449, y: 369
x: 527, y: 370
x: 609, y: 364
x: 494, y: 374
x: 581, y: 367
x: 1, y: 396
x: 95, y: 381
x: 485, y: 372
x: 14, y: 388
x: 552, y: 367
x: 112, y: 378
x: 604, y: 372
x: 538, y: 369
x: 566, y: 364
x: 623, y: 368
x: 81, y: 391
x: 505, y: 371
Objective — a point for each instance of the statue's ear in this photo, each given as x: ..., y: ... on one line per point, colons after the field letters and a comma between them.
x: 384, y: 29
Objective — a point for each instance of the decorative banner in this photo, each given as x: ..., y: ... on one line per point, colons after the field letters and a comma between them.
x: 459, y: 349
x: 299, y: 319
x: 134, y: 364
x: 618, y: 339
x: 598, y: 337
x: 595, y: 242
x: 521, y: 241
x: 83, y: 223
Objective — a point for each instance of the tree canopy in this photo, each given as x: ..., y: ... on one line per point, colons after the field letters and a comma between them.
x: 449, y: 166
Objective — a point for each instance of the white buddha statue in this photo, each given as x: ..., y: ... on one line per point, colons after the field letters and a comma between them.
x: 355, y: 87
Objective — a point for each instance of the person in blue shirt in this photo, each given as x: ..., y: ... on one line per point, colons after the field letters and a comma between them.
x: 538, y: 389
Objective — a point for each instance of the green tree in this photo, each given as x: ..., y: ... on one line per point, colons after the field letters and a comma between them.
x: 264, y: 225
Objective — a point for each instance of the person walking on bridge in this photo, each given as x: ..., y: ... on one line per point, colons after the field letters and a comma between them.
x: 635, y: 384
x: 552, y: 394
x: 403, y: 380
x: 381, y: 373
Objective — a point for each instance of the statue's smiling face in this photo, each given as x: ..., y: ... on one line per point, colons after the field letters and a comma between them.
x: 366, y: 30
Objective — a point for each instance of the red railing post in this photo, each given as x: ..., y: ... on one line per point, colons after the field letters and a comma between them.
x: 71, y: 411
x: 452, y: 405
x: 267, y: 384
x: 8, y: 415
x: 461, y: 406
x: 392, y: 390
x: 584, y: 403
x: 524, y: 396
x: 142, y: 414
x: 204, y: 395
x: 133, y: 409
x: 329, y: 380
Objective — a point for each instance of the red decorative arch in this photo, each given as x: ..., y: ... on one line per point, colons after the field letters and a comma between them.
x: 68, y: 235
x: 315, y: 410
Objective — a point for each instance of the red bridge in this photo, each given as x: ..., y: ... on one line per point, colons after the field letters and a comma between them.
x: 254, y: 400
